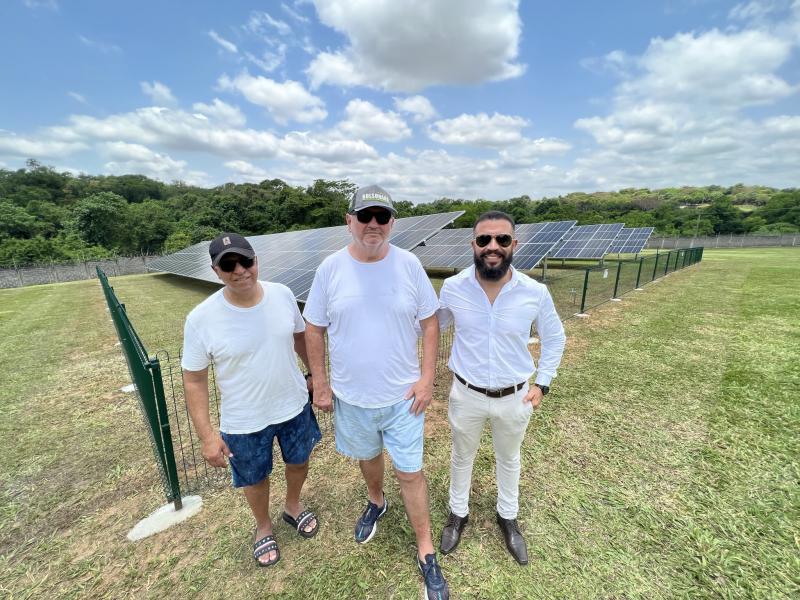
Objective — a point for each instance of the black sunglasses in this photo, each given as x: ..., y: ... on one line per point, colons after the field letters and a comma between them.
x: 229, y: 266
x: 382, y: 216
x: 503, y: 240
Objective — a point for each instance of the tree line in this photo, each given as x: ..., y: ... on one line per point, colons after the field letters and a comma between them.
x: 47, y: 216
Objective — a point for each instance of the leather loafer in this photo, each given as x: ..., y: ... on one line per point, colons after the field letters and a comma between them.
x: 451, y: 534
x: 514, y: 540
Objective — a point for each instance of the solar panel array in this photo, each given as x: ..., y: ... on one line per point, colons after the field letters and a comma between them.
x: 631, y: 240
x: 292, y: 257
x: 451, y: 248
x: 587, y: 241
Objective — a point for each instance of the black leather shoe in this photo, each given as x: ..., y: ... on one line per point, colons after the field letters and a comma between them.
x: 451, y: 534
x: 514, y: 540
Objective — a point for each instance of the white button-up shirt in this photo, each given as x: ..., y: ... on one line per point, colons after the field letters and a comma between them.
x: 490, y: 347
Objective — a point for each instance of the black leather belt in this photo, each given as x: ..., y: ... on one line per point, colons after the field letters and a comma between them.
x: 491, y: 393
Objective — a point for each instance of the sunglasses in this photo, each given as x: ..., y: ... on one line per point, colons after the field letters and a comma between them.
x: 382, y: 216
x: 503, y: 240
x: 228, y: 266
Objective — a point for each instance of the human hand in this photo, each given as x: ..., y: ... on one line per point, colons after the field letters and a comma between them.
x: 323, y: 397
x: 534, y: 396
x: 215, y: 451
x: 422, y: 394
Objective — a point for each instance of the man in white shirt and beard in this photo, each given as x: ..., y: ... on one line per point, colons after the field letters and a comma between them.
x: 493, y: 307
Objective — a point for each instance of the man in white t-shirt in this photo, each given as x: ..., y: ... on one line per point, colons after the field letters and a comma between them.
x: 251, y: 331
x: 493, y: 306
x: 369, y: 297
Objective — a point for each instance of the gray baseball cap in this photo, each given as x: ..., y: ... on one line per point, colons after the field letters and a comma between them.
x: 372, y: 195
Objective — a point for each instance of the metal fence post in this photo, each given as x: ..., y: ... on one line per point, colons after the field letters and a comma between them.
x: 639, y: 272
x: 165, y: 437
x: 616, y: 281
x: 655, y: 267
x: 585, y: 287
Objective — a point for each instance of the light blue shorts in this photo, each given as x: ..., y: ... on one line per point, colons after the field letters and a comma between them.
x: 362, y: 433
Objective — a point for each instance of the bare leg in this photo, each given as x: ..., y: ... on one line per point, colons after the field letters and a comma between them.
x: 372, y: 470
x: 295, y: 478
x: 414, y: 489
x: 258, y: 498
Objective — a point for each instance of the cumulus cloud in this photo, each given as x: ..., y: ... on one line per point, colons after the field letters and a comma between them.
x: 135, y: 158
x: 419, y: 107
x: 287, y: 101
x: 529, y: 152
x: 403, y: 46
x: 479, y: 130
x: 325, y: 148
x: 221, y: 112
x: 245, y: 171
x: 47, y: 146
x: 173, y: 129
x: 223, y: 43
x: 159, y: 93
x: 366, y: 121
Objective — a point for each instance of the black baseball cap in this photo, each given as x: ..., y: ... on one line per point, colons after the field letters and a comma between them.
x: 229, y: 243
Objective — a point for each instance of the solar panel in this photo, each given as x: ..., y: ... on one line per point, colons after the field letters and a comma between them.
x: 587, y: 241
x: 630, y: 240
x: 451, y: 248
x: 292, y: 257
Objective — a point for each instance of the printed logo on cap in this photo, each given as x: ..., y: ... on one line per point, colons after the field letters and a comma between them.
x: 226, y: 241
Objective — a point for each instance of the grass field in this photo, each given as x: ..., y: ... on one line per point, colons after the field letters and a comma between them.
x: 664, y: 464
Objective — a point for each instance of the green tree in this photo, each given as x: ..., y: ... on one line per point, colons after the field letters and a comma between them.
x: 100, y: 219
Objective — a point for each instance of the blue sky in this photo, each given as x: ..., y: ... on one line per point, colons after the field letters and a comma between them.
x: 458, y: 98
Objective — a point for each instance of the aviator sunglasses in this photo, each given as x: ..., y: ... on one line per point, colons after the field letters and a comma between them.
x: 382, y: 216
x: 503, y: 240
x: 228, y: 266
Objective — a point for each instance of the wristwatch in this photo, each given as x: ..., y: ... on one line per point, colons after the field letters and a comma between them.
x: 544, y: 388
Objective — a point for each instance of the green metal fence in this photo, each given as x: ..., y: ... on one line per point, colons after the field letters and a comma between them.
x: 580, y: 290
x: 176, y: 448
x: 146, y: 376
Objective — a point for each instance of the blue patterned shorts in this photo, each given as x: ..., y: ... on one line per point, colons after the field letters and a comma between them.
x: 251, y: 462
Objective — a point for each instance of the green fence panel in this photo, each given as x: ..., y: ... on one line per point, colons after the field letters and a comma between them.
x: 566, y: 291
x: 146, y: 375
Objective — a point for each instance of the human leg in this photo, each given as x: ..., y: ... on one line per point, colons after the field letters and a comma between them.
x: 414, y: 490
x: 467, y: 413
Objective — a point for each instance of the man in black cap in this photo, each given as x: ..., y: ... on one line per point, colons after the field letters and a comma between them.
x: 252, y: 330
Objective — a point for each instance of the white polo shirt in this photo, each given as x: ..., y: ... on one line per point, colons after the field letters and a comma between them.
x: 490, y: 347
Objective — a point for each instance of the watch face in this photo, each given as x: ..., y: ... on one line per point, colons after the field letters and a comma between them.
x: 544, y: 388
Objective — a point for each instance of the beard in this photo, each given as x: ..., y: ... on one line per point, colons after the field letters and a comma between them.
x: 492, y: 273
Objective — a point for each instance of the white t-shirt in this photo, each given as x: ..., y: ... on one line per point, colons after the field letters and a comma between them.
x: 254, y: 359
x: 371, y: 310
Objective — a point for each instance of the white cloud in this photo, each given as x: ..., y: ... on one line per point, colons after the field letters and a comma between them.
x: 287, y: 101
x: 418, y: 106
x: 479, y: 130
x: 78, y: 97
x: 528, y: 152
x: 245, y: 171
x: 174, y: 129
x: 159, y: 93
x: 261, y: 22
x: 367, y: 121
x: 405, y: 46
x: 294, y: 14
x: 135, y: 158
x: 269, y: 61
x: 723, y: 70
x: 100, y: 46
x: 221, y: 112
x: 29, y: 147
x: 325, y: 148
x: 48, y: 4
x: 223, y: 43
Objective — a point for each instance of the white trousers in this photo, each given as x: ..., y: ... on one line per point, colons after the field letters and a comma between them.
x: 508, y: 417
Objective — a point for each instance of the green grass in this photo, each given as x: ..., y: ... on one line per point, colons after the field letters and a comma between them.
x: 665, y: 463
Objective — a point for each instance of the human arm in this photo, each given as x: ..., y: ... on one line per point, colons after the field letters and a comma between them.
x: 422, y: 390
x: 214, y: 449
x: 315, y: 348
x: 552, y: 339
x: 300, y: 349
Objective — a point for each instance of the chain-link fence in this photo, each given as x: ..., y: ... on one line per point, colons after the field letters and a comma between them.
x: 39, y: 274
x: 724, y: 241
